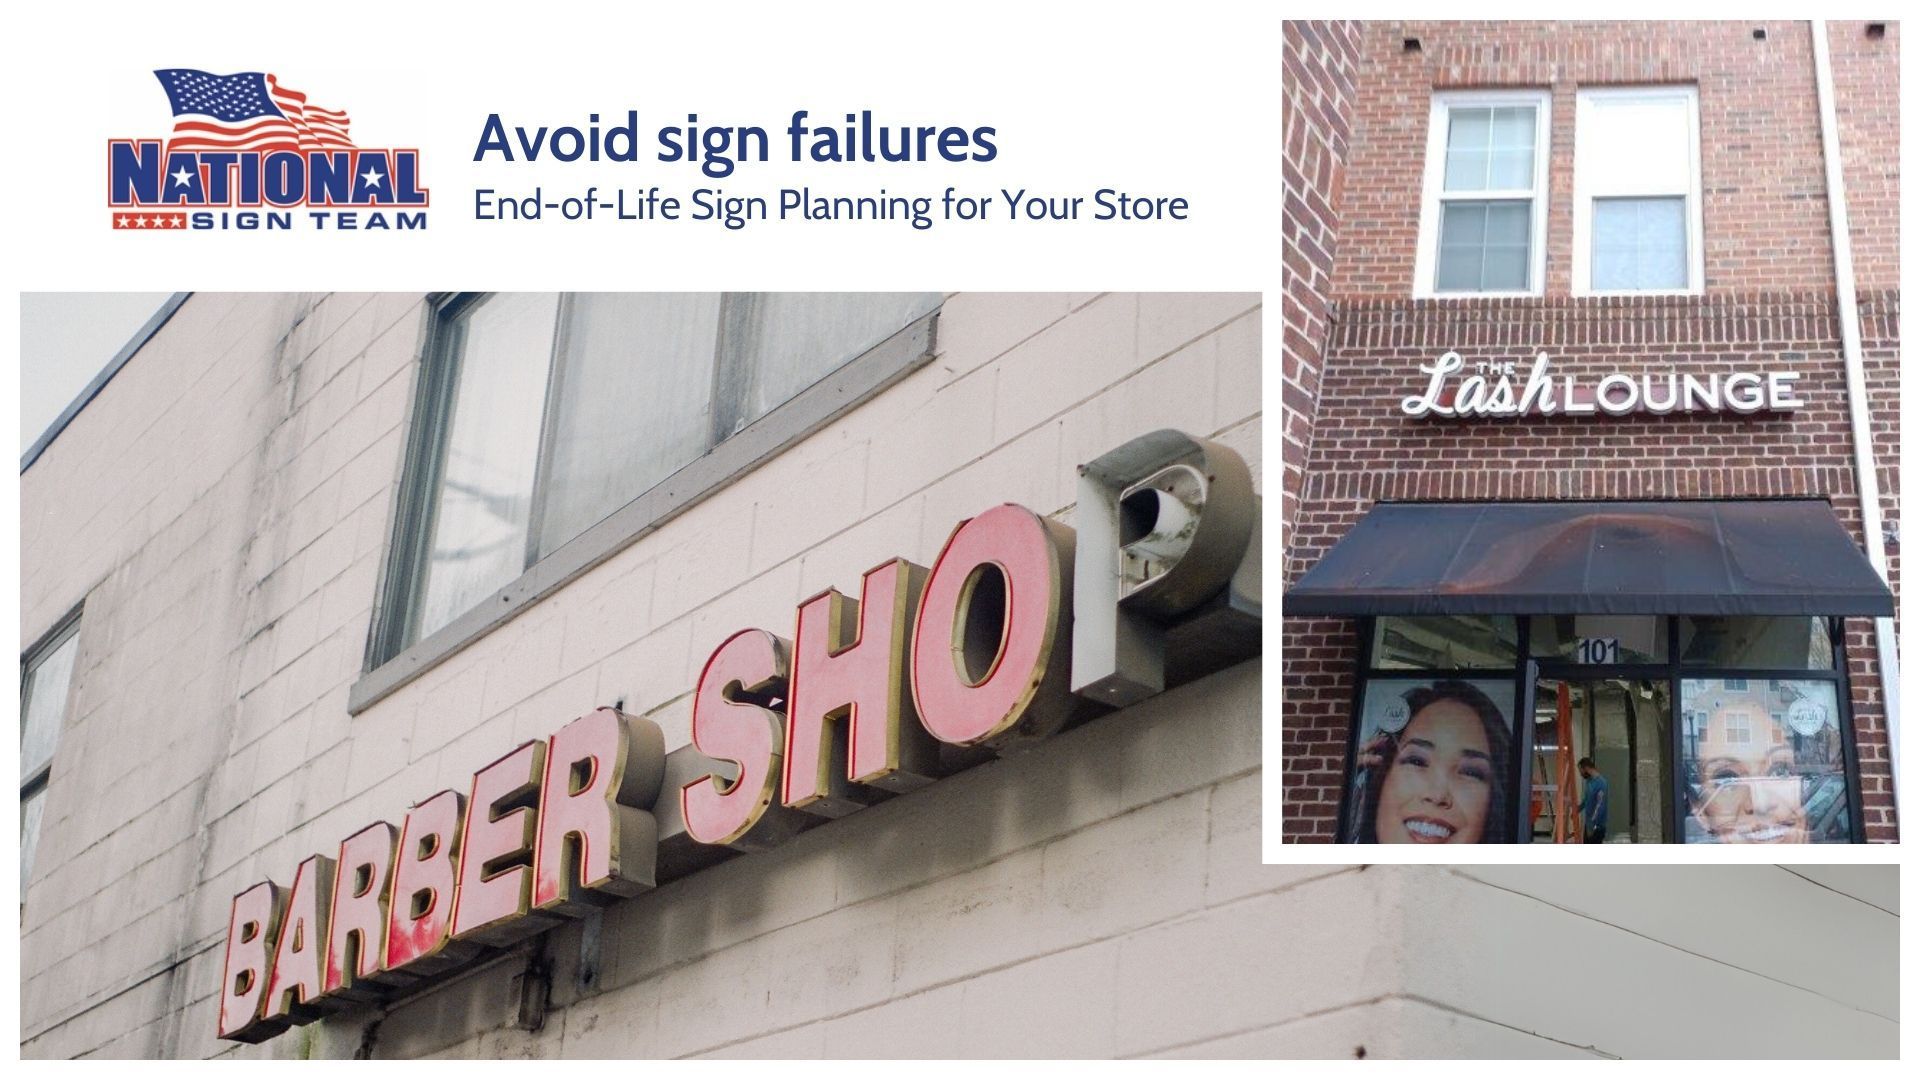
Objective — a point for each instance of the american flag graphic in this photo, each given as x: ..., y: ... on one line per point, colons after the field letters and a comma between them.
x: 248, y: 111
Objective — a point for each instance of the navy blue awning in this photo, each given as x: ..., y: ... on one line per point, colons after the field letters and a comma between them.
x: 1732, y: 557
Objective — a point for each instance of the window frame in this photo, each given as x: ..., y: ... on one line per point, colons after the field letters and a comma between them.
x: 1433, y: 194
x: 397, y: 609
x: 40, y: 779
x: 1584, y: 193
x: 1746, y: 725
x: 391, y: 662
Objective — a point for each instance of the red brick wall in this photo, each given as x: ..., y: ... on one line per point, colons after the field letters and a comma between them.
x: 1866, y: 84
x: 1880, y: 363
x: 1764, y: 189
x: 1317, y: 96
x: 1769, y: 304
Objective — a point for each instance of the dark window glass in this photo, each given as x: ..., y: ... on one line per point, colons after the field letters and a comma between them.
x: 1446, y: 641
x: 1755, y: 641
x: 1599, y: 639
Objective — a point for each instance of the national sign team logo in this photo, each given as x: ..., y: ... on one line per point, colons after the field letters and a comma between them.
x: 249, y: 153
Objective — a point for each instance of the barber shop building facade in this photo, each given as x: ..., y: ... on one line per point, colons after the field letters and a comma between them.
x: 410, y: 674
x: 1590, y: 437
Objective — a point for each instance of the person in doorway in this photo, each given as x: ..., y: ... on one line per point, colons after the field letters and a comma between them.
x: 1593, y: 804
x: 1443, y: 778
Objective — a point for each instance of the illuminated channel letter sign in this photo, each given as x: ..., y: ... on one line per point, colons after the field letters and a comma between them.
x: 1496, y: 389
x: 1021, y: 627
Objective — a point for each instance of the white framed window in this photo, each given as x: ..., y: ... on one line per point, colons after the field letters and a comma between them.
x: 1636, y: 192
x: 1483, y: 218
x: 1739, y: 728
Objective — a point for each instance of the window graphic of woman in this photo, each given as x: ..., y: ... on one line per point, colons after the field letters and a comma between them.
x: 1748, y: 789
x: 1442, y: 779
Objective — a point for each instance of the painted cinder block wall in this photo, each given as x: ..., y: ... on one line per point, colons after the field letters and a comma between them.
x: 223, y: 508
x: 1769, y: 302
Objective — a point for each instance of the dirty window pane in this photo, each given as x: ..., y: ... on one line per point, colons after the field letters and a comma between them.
x: 45, y: 705
x: 503, y: 346
x: 778, y: 344
x: 632, y: 402
x: 1756, y: 641
x: 1446, y: 641
x: 31, y: 809
x: 547, y: 414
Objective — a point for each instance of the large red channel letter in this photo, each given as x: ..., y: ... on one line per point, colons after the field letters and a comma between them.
x: 990, y: 655
x: 293, y: 993
x: 734, y: 721
x: 850, y: 689
x: 252, y: 929
x: 494, y: 903
x: 357, y: 926
x: 425, y: 875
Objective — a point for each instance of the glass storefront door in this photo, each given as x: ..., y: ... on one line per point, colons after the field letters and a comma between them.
x: 1623, y: 723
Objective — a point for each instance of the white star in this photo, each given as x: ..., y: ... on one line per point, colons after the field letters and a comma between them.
x: 372, y: 176
x: 140, y: 222
x: 123, y: 221
x: 182, y: 176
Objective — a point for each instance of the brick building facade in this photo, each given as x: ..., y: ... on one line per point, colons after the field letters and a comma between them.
x: 1318, y: 58
x: 1767, y: 300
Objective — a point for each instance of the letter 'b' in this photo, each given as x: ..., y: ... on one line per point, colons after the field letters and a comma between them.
x: 251, y: 933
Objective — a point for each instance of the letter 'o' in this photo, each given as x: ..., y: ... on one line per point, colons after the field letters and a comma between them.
x: 1024, y: 684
